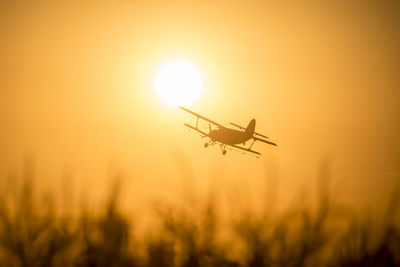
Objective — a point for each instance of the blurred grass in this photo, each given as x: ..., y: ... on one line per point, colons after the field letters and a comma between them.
x: 33, y: 232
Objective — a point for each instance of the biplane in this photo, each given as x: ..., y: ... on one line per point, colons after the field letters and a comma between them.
x: 224, y: 136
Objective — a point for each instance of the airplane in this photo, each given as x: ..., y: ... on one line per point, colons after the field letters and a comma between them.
x: 228, y: 137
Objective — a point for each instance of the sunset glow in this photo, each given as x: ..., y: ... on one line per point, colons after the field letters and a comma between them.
x: 200, y: 133
x: 178, y: 83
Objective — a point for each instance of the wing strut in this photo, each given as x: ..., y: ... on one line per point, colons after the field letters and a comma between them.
x: 252, y: 143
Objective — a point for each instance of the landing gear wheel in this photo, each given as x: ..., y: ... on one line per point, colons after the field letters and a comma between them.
x: 205, y: 145
x: 224, y: 152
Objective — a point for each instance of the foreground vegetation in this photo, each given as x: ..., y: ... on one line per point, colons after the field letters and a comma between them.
x: 33, y: 233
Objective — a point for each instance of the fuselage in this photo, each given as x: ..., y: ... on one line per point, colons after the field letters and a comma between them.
x: 229, y: 136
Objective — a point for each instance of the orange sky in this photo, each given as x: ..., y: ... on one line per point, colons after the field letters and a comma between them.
x: 322, y: 80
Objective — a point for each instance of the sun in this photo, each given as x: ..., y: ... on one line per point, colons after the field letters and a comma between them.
x: 178, y: 83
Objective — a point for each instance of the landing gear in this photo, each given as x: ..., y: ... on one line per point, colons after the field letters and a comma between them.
x: 223, y: 146
x: 205, y: 145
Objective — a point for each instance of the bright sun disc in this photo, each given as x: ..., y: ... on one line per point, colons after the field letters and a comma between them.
x: 178, y: 83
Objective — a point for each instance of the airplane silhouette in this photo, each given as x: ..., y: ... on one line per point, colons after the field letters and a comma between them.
x: 229, y: 137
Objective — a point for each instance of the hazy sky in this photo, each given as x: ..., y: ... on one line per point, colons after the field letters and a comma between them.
x: 321, y: 79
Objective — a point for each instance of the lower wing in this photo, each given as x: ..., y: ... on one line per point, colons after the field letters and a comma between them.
x: 245, y: 149
x: 196, y: 129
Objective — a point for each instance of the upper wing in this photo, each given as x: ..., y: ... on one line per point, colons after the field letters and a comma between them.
x: 201, y: 117
x: 245, y: 149
x: 242, y: 128
x: 265, y: 141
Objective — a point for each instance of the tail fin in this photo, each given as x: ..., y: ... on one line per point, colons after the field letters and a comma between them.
x: 251, y: 127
